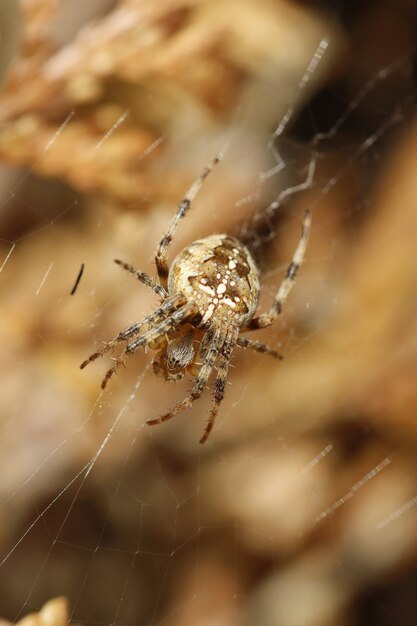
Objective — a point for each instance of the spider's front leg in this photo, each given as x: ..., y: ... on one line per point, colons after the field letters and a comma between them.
x: 176, y: 318
x: 221, y: 379
x: 161, y: 257
x: 166, y: 308
x: 210, y: 346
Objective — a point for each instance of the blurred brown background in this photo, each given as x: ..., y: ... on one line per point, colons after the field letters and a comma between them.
x: 301, y: 508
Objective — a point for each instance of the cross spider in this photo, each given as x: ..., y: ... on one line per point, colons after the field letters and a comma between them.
x: 212, y: 289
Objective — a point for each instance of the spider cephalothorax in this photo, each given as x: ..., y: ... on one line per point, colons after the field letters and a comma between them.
x: 209, y: 296
x: 177, y: 356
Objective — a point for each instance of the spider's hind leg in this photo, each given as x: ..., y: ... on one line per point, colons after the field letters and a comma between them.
x: 143, y: 278
x: 284, y: 290
x: 161, y: 257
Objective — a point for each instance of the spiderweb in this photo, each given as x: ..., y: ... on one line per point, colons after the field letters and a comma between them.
x: 301, y: 507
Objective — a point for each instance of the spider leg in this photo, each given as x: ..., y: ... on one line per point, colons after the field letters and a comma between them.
x: 161, y: 257
x: 144, y: 278
x: 166, y: 307
x: 221, y: 379
x: 176, y: 318
x: 211, y: 344
x: 269, y: 318
x: 243, y: 342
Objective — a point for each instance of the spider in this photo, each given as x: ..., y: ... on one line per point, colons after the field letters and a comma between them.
x: 211, y: 291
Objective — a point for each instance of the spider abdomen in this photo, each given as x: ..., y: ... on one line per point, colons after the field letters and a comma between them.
x: 219, y: 274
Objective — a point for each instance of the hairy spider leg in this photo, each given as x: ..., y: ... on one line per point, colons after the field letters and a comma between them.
x: 210, y: 347
x: 144, y: 278
x: 269, y: 318
x: 166, y: 308
x: 221, y: 378
x: 257, y: 346
x: 188, y: 310
x: 161, y: 257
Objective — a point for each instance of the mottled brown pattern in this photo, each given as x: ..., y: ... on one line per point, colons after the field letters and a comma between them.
x: 211, y: 288
x: 219, y: 274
